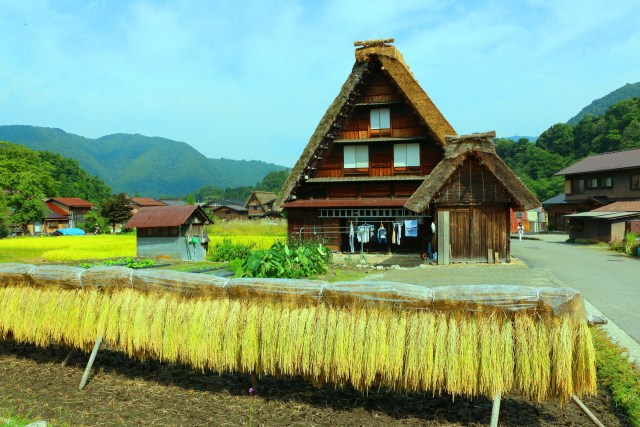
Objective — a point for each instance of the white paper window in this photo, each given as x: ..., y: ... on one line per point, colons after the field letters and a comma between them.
x: 356, y: 156
x: 380, y: 118
x: 406, y: 155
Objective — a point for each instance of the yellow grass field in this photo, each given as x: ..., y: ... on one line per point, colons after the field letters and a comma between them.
x: 67, y: 248
x: 74, y: 248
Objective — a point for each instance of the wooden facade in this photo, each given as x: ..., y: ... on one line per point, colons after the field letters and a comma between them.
x: 382, y: 138
x: 380, y: 157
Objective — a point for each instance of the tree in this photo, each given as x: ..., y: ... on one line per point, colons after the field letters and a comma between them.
x: 116, y: 210
x: 93, y: 219
x: 273, y: 181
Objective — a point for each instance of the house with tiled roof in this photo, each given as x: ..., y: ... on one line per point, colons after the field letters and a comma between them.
x: 65, y: 212
x: 141, y: 202
x: 226, y: 209
x: 594, y: 182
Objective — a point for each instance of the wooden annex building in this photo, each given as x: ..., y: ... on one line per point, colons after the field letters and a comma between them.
x: 384, y: 161
x: 171, y: 231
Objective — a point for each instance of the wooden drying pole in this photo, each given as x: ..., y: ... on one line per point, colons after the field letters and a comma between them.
x: 92, y: 358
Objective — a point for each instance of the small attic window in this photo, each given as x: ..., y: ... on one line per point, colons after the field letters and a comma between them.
x: 380, y: 119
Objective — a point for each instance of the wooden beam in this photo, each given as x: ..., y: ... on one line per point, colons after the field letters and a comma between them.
x: 374, y: 42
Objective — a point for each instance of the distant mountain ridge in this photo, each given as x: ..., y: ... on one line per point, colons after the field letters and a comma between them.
x: 517, y: 138
x: 149, y: 166
x: 601, y: 105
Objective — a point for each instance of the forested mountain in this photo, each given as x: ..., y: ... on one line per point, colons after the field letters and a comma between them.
x: 272, y: 181
x: 563, y: 144
x: 137, y: 164
x: 601, y: 105
x: 27, y: 177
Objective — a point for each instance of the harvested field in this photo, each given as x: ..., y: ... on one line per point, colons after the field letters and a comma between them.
x: 123, y: 391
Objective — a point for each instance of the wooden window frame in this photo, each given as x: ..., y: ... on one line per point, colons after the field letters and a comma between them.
x: 407, y: 168
x: 378, y: 130
x: 591, y: 183
x: 577, y: 186
x: 634, y: 182
x: 358, y: 169
x: 603, y: 182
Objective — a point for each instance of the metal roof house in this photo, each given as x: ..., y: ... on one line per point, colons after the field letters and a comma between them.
x: 594, y: 182
x: 171, y: 231
x: 607, y: 223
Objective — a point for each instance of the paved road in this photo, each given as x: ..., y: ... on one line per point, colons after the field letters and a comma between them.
x: 609, y: 281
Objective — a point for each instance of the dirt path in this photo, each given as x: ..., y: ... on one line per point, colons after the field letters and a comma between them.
x: 126, y: 392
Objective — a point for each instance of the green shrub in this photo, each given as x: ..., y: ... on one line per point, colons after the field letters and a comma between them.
x: 616, y: 246
x: 227, y: 251
x: 284, y: 261
x: 631, y: 243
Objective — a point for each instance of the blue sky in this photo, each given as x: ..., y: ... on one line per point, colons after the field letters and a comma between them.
x: 251, y: 79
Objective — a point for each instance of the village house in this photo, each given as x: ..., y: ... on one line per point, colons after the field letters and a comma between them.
x: 141, y: 202
x: 171, y: 231
x: 260, y: 204
x: 595, y: 182
x: 384, y: 162
x: 64, y: 212
x: 226, y: 209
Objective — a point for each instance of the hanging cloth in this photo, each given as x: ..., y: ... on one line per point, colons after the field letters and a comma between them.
x: 363, y: 233
x: 411, y: 227
x: 351, y: 237
x: 393, y: 234
x: 399, y: 236
x: 382, y: 235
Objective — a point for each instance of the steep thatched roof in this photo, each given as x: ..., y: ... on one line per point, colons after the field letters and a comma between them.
x: 459, y: 149
x: 262, y: 197
x: 392, y: 63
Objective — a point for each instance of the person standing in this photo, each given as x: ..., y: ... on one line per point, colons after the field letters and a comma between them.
x: 431, y: 234
x: 520, y: 230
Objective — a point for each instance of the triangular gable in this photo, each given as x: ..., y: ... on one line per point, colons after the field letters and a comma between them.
x: 454, y: 176
x: 342, y: 107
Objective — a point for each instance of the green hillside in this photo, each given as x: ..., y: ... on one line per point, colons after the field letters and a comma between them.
x: 601, y: 105
x: 149, y: 166
x: 563, y: 144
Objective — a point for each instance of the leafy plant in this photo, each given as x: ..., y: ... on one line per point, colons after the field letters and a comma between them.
x: 631, y: 243
x: 284, y: 261
x: 227, y: 251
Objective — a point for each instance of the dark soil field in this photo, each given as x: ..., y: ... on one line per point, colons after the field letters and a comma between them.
x: 126, y: 392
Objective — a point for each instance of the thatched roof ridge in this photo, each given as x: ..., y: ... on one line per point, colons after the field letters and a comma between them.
x: 458, y: 150
x: 393, y: 64
x: 321, y: 132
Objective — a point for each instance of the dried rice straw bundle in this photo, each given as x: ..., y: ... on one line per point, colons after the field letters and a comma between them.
x: 14, y: 274
x: 562, y: 342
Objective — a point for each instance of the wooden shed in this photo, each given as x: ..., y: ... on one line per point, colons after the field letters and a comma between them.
x: 472, y: 191
x: 171, y: 231
x: 375, y: 145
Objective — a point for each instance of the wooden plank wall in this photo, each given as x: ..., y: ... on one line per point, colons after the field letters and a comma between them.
x: 476, y: 231
x: 472, y: 183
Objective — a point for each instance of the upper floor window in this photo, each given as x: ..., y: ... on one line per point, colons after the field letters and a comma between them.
x: 635, y: 181
x: 605, y: 182
x: 356, y: 157
x: 577, y: 186
x: 406, y: 155
x: 592, y: 183
x: 380, y: 121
